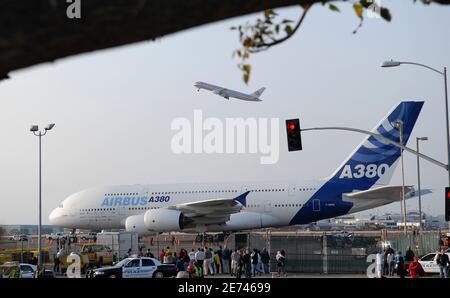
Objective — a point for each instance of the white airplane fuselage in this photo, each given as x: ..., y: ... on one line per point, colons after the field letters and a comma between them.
x: 267, y: 204
x: 228, y: 93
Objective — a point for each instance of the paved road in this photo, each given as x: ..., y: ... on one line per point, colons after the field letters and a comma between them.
x: 292, y: 275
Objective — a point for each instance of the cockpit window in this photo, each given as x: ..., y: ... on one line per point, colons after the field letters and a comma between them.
x: 60, y: 206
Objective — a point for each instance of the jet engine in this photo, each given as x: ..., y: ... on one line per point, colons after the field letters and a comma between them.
x: 135, y: 223
x: 164, y: 220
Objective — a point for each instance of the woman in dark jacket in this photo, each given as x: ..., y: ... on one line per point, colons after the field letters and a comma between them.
x: 401, y: 268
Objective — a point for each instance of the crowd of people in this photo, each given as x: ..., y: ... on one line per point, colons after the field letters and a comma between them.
x: 205, y: 261
x: 390, y: 262
x: 244, y: 262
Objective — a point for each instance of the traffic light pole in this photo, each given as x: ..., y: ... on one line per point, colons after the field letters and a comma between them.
x: 399, y: 145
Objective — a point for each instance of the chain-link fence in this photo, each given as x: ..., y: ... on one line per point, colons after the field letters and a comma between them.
x: 308, y: 252
x: 335, y: 252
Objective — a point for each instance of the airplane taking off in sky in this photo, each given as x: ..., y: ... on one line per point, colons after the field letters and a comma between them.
x: 358, y: 184
x: 227, y: 93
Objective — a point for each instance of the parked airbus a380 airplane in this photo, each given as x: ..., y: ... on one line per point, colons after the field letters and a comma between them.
x: 358, y: 184
x: 227, y: 93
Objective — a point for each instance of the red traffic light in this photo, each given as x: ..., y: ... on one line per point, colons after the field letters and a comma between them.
x: 293, y: 132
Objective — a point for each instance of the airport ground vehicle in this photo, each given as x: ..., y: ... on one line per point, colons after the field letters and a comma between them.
x: 119, y: 242
x: 14, y: 255
x: 135, y: 267
x: 429, y: 264
x: 55, y: 236
x: 97, y: 254
x: 88, y: 236
x: 21, y: 237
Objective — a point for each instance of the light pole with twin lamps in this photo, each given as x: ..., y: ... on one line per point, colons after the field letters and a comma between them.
x: 35, y: 130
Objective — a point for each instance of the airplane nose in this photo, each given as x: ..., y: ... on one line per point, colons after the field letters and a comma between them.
x: 55, y: 216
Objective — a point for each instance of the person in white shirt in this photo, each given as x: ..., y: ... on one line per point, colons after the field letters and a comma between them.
x: 390, y: 264
x: 200, y: 257
x: 234, y: 262
x: 191, y: 256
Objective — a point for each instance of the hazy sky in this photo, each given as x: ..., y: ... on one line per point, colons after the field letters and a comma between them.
x: 113, y: 109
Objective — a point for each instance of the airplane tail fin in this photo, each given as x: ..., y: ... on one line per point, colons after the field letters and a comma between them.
x: 258, y: 92
x: 374, y: 160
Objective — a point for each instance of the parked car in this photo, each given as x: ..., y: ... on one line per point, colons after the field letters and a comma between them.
x: 21, y: 270
x: 135, y: 267
x: 429, y: 264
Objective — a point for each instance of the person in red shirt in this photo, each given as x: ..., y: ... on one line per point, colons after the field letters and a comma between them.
x: 182, y: 253
x: 161, y: 256
x: 415, y: 269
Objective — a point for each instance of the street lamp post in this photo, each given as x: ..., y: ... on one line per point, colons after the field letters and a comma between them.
x: 393, y: 63
x: 444, y: 74
x: 399, y: 125
x: 418, y: 179
x: 35, y: 130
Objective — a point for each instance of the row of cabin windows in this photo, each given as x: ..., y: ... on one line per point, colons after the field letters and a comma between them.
x: 267, y: 190
x: 143, y: 208
x: 204, y: 191
x: 121, y: 194
x: 113, y: 209
x: 192, y: 191
x: 288, y: 205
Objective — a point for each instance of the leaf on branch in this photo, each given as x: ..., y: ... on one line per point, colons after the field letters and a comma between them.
x: 358, y: 10
x: 288, y: 30
x: 385, y: 14
x: 333, y: 7
x: 246, y: 68
x: 248, y: 42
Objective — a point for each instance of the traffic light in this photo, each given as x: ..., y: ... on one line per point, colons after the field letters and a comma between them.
x: 294, y: 137
x: 447, y: 203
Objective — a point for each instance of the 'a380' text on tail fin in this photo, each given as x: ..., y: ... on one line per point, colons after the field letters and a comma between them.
x: 374, y: 160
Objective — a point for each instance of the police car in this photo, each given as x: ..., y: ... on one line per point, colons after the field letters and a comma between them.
x: 135, y: 267
x: 429, y: 264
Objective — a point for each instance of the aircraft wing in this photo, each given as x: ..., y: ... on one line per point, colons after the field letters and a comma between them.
x: 213, y: 211
x: 389, y: 193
